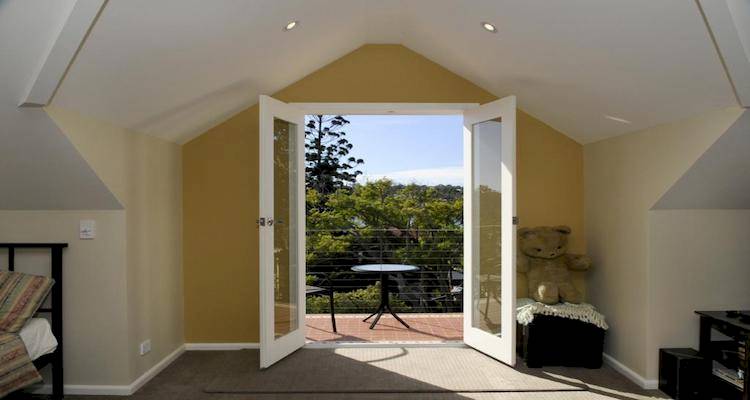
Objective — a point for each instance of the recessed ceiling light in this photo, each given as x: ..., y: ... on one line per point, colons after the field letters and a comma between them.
x: 489, y: 27
x: 620, y: 120
x: 291, y: 25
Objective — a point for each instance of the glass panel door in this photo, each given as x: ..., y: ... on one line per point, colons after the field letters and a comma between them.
x: 486, y: 233
x: 281, y: 228
x: 285, y: 171
x: 489, y: 231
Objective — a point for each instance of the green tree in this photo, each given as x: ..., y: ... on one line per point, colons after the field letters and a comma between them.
x: 328, y: 164
x: 385, y: 222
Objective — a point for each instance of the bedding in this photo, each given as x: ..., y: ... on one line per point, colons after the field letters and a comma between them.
x: 16, y: 369
x: 38, y: 338
x: 526, y: 309
x: 20, y: 297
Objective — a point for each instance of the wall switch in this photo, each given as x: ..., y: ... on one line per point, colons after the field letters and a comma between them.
x: 87, y: 229
x: 145, y: 347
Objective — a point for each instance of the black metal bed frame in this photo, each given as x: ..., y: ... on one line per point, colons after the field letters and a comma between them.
x: 55, y: 310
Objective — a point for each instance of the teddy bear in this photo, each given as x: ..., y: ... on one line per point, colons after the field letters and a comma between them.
x: 543, y: 257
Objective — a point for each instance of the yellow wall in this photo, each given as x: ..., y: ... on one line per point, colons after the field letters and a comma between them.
x: 624, y: 177
x: 144, y: 173
x: 220, y: 181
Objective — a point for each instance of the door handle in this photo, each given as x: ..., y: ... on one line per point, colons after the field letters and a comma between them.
x: 263, y: 221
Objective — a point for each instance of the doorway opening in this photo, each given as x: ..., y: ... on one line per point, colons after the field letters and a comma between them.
x: 384, y: 229
x: 394, y: 244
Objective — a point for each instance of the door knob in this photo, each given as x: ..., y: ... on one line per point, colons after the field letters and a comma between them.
x: 263, y: 221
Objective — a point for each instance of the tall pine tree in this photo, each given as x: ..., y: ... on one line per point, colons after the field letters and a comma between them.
x: 328, y: 164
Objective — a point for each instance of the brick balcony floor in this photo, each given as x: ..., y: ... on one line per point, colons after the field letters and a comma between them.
x: 433, y: 328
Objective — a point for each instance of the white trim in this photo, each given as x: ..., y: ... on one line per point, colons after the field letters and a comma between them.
x: 220, y: 346
x: 382, y: 345
x: 87, y: 390
x: 502, y: 347
x: 116, y: 390
x: 630, y: 374
x: 385, y: 108
x: 273, y: 349
x: 728, y: 23
x: 153, y: 371
x: 61, y: 53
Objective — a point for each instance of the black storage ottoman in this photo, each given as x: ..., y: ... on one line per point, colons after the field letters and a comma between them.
x: 557, y: 341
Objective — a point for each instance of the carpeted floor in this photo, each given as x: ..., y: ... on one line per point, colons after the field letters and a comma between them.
x: 385, y: 370
x: 189, y: 376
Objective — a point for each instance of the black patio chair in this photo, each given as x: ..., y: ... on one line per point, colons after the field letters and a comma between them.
x: 327, y: 290
x: 455, y: 286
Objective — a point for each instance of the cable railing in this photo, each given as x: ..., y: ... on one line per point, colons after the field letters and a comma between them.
x: 435, y: 288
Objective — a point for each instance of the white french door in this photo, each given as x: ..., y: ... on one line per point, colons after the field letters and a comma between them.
x: 489, y: 229
x: 282, y: 230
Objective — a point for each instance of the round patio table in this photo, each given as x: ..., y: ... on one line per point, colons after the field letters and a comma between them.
x: 384, y: 270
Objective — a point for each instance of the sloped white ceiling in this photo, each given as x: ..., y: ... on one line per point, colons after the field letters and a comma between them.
x: 720, y: 179
x: 174, y: 68
x: 40, y: 169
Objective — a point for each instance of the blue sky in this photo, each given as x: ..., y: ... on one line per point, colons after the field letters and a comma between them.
x: 425, y: 149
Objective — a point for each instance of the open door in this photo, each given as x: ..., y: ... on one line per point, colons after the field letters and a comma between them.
x: 489, y: 229
x: 282, y: 230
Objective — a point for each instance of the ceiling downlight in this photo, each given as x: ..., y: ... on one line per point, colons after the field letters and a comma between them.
x: 291, y: 25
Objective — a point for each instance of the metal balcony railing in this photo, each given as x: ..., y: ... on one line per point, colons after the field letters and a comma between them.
x: 433, y: 289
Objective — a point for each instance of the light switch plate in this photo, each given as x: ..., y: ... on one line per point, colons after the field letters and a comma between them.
x: 87, y: 229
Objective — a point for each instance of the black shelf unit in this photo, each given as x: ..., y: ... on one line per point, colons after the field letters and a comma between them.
x: 731, y: 353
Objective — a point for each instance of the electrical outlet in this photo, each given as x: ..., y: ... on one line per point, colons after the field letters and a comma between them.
x: 145, y: 347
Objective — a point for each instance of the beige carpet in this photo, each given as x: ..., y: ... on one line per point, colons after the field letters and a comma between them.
x: 385, y: 370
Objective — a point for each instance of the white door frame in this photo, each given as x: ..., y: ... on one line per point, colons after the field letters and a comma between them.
x: 386, y: 109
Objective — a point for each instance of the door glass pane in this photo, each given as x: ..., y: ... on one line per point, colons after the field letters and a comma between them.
x: 285, y: 170
x: 486, y: 226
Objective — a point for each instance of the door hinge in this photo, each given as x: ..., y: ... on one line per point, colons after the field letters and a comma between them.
x: 515, y: 220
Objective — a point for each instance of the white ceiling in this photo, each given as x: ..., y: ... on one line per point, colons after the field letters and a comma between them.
x: 39, y: 168
x: 174, y: 68
x: 720, y: 178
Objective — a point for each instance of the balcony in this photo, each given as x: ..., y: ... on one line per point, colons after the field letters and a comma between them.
x: 425, y: 328
x: 429, y: 300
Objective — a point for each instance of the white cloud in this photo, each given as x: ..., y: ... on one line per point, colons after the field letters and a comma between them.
x: 426, y: 176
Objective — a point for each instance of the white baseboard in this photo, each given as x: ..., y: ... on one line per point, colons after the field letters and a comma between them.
x: 115, y: 390
x: 220, y: 346
x: 153, y: 371
x: 630, y: 374
x: 86, y: 390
